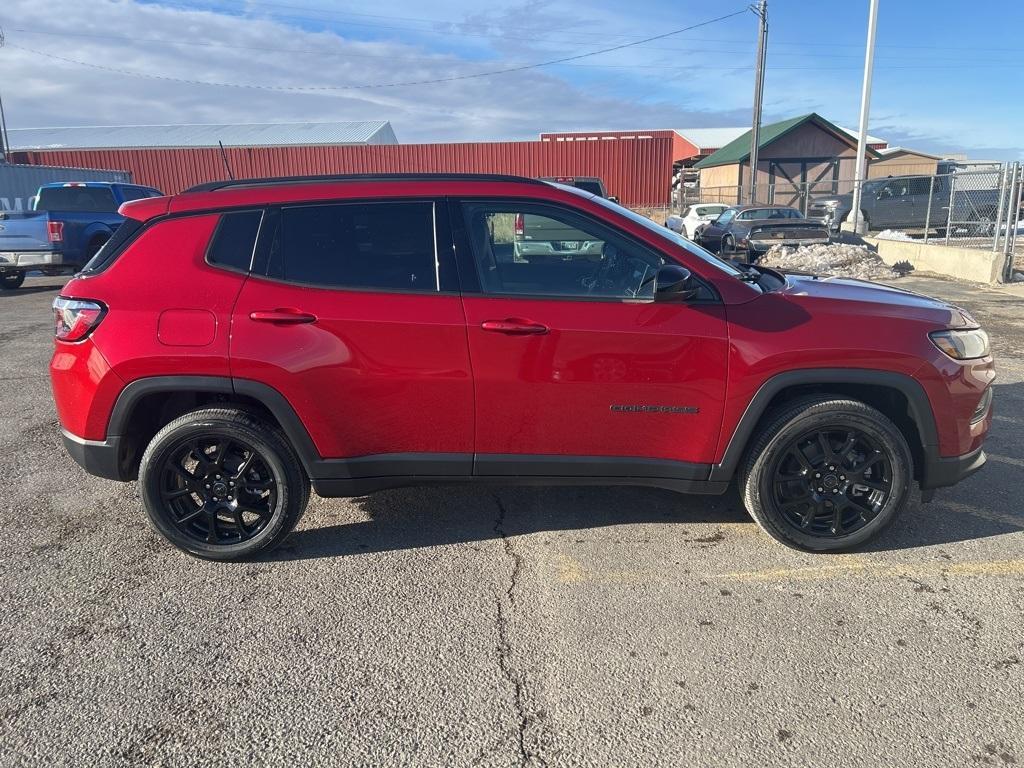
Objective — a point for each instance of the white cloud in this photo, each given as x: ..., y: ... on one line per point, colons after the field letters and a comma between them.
x: 40, y: 91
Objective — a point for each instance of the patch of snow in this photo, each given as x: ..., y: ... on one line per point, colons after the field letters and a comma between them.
x: 839, y: 259
x: 893, y: 234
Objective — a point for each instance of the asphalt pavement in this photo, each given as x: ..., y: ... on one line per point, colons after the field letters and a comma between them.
x: 505, y: 626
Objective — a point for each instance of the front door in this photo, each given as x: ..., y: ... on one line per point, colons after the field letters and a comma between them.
x: 356, y: 320
x: 577, y: 371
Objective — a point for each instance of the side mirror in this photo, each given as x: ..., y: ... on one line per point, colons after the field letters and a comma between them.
x: 674, y: 283
x: 612, y: 198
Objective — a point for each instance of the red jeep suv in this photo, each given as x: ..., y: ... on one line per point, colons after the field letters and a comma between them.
x: 239, y: 342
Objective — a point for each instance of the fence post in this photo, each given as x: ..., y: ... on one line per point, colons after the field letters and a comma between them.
x: 928, y: 213
x: 949, y: 213
x: 1013, y: 210
x: 1003, y: 201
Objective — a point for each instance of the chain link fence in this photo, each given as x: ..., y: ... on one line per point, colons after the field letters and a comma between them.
x: 966, y: 208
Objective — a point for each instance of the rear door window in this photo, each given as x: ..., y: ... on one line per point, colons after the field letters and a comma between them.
x: 388, y: 246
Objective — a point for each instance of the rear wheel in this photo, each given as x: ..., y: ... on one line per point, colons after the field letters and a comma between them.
x: 826, y: 474
x: 12, y: 280
x: 222, y: 485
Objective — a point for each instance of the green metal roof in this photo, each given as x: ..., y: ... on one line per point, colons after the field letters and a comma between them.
x: 738, y: 150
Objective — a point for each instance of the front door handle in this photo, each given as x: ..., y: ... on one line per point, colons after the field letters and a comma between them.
x: 282, y: 316
x: 514, y: 326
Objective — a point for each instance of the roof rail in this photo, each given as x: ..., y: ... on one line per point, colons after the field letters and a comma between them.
x: 213, y: 186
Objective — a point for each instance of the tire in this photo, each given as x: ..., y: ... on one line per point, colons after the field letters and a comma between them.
x: 250, y: 508
x: 93, y: 248
x: 11, y: 281
x: 772, y: 478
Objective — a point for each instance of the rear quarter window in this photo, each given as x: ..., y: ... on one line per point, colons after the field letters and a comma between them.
x: 114, y: 247
x: 234, y: 240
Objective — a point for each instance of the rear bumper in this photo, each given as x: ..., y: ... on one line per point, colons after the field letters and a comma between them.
x: 97, y: 457
x: 30, y: 259
x: 942, y: 472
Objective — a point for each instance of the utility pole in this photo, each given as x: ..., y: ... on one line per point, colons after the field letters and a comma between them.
x: 865, y: 107
x: 761, y: 10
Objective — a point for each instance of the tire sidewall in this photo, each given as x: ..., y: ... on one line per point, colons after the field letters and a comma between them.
x: 169, y: 440
x: 884, y: 433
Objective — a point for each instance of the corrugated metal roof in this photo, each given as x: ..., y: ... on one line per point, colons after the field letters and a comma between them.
x: 711, y: 138
x: 738, y: 150
x: 203, y: 135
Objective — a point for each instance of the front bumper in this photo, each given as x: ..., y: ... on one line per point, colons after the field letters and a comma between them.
x: 32, y: 259
x: 942, y: 472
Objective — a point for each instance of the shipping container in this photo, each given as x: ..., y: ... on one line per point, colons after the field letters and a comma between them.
x: 19, y: 183
x: 637, y: 172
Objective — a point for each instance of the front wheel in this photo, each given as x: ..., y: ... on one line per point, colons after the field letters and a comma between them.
x: 12, y: 280
x: 826, y: 474
x: 222, y: 485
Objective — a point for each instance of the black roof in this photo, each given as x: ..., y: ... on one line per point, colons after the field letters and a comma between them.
x: 212, y: 186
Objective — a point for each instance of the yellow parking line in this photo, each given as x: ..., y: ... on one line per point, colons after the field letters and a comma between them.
x: 569, y: 570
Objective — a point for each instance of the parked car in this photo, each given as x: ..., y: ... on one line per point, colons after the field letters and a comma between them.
x: 359, y: 334
x: 748, y: 231
x: 693, y: 216
x: 913, y: 203
x: 68, y: 224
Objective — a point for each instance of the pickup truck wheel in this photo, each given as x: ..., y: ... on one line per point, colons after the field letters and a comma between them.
x: 12, y: 280
x: 826, y: 474
x: 222, y: 485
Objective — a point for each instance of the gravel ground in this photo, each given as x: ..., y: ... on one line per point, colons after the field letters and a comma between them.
x: 502, y: 627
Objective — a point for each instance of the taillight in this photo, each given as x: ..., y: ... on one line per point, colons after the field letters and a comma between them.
x: 74, y: 319
x: 519, y: 225
x: 55, y: 229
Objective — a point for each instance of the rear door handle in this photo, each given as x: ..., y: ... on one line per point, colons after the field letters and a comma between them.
x: 514, y: 327
x: 282, y: 316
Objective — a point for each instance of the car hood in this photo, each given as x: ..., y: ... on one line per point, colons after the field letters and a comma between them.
x: 876, y: 298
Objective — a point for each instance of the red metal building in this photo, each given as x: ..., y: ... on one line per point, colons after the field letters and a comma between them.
x: 638, y: 172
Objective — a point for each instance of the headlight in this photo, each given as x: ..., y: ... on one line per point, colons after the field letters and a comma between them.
x: 962, y: 345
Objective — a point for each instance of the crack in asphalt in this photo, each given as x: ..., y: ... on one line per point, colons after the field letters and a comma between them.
x: 514, y: 677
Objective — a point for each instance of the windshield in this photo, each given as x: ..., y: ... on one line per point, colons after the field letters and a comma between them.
x: 667, y: 234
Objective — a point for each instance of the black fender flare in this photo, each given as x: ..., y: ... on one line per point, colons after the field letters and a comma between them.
x: 269, y: 397
x: 920, y: 409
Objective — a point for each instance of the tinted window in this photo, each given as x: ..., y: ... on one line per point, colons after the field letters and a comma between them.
x: 114, y: 246
x: 135, y: 193
x: 593, y: 187
x: 387, y: 246
x: 96, y: 199
x: 725, y: 218
x: 543, y: 251
x: 233, y: 241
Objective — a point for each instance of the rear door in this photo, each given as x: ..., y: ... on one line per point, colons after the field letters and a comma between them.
x: 577, y: 370
x: 353, y: 315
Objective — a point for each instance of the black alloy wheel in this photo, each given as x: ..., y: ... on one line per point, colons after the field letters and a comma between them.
x: 222, y: 483
x: 218, y: 490
x: 826, y: 473
x: 832, y: 482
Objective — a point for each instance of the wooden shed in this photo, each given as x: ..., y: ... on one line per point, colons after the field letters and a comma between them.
x: 900, y: 161
x: 798, y: 158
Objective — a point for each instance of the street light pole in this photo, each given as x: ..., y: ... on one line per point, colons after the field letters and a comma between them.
x: 755, y: 132
x: 865, y: 108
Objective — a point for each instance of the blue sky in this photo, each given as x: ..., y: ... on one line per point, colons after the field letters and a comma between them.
x: 947, y: 77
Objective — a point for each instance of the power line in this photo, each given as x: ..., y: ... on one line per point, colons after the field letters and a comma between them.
x: 432, y: 81
x: 436, y: 59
